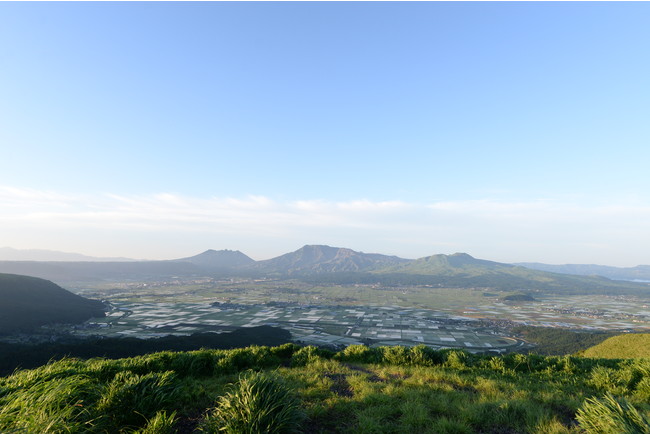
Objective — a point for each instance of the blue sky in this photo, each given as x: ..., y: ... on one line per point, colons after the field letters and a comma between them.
x: 511, y: 131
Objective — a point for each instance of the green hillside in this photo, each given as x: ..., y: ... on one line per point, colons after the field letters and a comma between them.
x: 627, y: 346
x: 28, y: 302
x: 552, y: 341
x: 463, y: 270
x: 357, y: 390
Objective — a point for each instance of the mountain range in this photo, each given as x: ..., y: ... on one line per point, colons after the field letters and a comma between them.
x: 325, y: 264
x: 324, y: 258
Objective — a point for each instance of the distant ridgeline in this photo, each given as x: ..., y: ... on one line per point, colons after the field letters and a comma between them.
x: 29, y: 302
x: 333, y: 265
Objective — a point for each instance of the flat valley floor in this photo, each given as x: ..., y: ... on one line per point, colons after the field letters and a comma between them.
x: 339, y: 315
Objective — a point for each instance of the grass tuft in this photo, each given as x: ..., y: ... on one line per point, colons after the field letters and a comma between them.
x: 161, y: 423
x: 131, y: 399
x: 609, y: 415
x: 257, y: 403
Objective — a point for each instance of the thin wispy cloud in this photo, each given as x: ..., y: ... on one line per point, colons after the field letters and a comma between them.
x: 497, y: 230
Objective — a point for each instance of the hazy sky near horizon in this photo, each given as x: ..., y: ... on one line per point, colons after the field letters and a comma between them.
x: 510, y: 131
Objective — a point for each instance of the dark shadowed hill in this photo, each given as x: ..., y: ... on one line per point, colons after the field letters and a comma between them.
x: 317, y: 259
x: 219, y: 260
x: 28, y: 302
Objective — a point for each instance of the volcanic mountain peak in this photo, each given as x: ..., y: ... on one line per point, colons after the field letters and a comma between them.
x: 219, y: 259
x: 311, y: 259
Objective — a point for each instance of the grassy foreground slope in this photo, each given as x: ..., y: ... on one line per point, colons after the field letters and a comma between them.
x: 627, y: 346
x: 357, y: 390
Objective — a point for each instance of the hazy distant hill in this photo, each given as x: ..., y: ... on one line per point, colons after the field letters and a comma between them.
x: 317, y: 259
x: 67, y: 272
x: 640, y: 272
x: 204, y: 264
x: 219, y: 260
x: 28, y: 302
x: 10, y: 254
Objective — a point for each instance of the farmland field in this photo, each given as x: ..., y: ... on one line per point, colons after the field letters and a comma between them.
x: 336, y: 326
x: 340, y: 315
